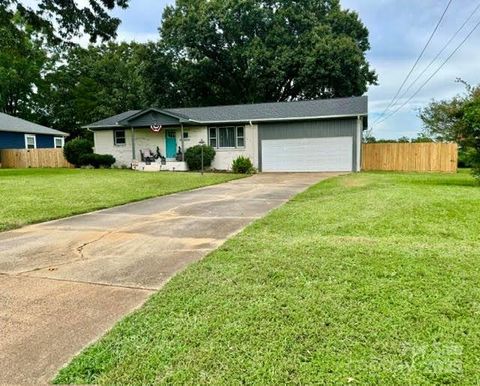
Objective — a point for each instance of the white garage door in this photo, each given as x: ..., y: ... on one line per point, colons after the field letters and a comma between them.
x: 333, y: 154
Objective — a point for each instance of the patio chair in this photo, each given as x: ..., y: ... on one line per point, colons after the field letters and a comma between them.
x: 147, y: 156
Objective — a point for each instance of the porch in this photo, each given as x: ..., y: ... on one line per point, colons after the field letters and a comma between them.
x: 161, y: 134
x: 158, y: 165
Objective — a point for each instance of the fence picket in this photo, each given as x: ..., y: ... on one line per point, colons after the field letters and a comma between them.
x: 410, y: 157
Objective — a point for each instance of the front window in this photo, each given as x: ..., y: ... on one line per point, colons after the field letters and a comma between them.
x: 240, y: 137
x: 59, y: 142
x: 212, y: 134
x: 30, y: 141
x: 119, y: 138
x: 226, y: 137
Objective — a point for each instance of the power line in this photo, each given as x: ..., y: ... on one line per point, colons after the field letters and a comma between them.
x: 439, y: 54
x: 394, y: 99
x: 434, y: 73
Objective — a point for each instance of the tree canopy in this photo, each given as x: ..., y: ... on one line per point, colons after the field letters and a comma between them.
x: 22, y: 60
x: 231, y: 51
x: 209, y: 52
x: 64, y: 19
x: 96, y: 82
x: 457, y: 119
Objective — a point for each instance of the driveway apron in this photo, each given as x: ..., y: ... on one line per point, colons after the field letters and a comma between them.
x: 64, y: 283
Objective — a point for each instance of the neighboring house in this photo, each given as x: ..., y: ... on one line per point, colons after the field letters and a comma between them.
x: 17, y: 133
x: 304, y: 136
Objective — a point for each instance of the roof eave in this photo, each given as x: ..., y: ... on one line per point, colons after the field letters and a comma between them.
x: 103, y: 126
x: 258, y: 120
x: 160, y: 111
x: 34, y: 131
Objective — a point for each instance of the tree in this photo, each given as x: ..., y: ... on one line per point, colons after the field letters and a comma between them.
x: 22, y: 60
x: 29, y: 37
x: 246, y: 51
x: 422, y: 138
x: 403, y: 139
x: 63, y: 19
x: 96, y: 82
x: 457, y: 119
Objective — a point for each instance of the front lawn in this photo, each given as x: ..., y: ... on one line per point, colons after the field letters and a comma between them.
x: 366, y: 279
x: 33, y: 195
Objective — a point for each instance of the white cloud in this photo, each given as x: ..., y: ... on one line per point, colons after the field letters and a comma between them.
x: 398, y: 32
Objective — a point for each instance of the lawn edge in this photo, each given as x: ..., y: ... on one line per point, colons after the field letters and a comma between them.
x: 103, y: 208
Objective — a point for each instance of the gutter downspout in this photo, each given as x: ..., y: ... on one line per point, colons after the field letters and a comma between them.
x: 133, y: 144
x: 183, y: 142
x: 359, y: 143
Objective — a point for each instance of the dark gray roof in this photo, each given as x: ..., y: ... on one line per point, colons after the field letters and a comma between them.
x: 322, y: 108
x: 18, y: 125
x: 114, y: 120
x: 280, y: 110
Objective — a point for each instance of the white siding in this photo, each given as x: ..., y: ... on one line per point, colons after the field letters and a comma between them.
x: 224, y: 157
x: 103, y: 144
x: 145, y: 138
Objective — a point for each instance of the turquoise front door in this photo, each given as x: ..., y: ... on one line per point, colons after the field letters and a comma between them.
x: 171, y: 143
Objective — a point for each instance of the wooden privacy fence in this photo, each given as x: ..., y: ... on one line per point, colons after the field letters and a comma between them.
x: 33, y: 158
x: 410, y: 157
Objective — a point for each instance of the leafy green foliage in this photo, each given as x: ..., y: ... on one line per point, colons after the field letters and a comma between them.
x: 75, y: 149
x: 193, y: 156
x: 242, y: 165
x: 211, y: 52
x: 95, y: 83
x: 466, y: 157
x: 61, y: 20
x: 321, y: 291
x: 231, y: 51
x: 97, y: 160
x: 30, y: 56
x: 22, y: 60
x: 422, y: 137
x: 458, y: 120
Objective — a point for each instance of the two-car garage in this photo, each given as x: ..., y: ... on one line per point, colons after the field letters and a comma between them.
x: 330, y: 145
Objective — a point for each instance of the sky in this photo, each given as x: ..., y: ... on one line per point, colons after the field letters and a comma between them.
x: 399, y: 30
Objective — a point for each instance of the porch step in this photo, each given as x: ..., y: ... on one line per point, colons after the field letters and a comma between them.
x: 156, y: 166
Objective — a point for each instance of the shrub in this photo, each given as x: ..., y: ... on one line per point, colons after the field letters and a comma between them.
x: 193, y: 156
x: 97, y: 160
x: 242, y: 165
x: 466, y: 157
x: 75, y: 149
x: 476, y: 165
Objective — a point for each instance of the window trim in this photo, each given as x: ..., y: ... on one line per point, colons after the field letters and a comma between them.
x: 55, y: 142
x: 210, y: 138
x: 237, y: 137
x: 216, y: 138
x: 34, y: 141
x: 115, y: 143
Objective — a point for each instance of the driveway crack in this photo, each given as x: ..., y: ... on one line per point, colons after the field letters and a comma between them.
x: 81, y: 248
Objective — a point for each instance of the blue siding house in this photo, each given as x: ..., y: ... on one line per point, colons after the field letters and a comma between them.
x: 17, y: 133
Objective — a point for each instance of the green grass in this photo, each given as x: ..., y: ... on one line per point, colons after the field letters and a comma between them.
x: 34, y: 195
x: 365, y: 279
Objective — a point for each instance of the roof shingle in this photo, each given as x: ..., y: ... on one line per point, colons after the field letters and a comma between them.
x: 321, y: 108
x: 18, y: 125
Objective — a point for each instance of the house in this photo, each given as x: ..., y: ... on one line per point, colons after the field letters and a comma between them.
x: 17, y: 133
x: 302, y: 136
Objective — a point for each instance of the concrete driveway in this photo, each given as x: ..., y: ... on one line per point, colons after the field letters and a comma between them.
x: 65, y: 282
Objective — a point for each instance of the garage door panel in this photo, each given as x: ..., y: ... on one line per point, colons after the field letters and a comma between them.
x: 307, y: 154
